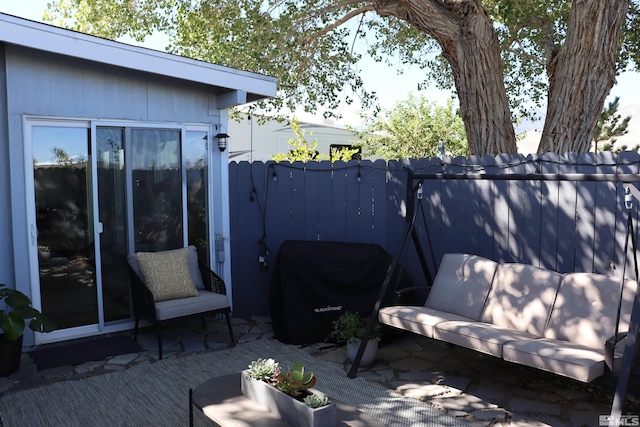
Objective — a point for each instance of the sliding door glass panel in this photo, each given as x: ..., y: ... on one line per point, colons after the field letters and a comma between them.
x: 195, y: 152
x: 157, y: 189
x: 113, y: 216
x: 66, y: 253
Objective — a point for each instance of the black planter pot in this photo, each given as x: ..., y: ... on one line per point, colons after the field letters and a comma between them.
x: 10, y: 353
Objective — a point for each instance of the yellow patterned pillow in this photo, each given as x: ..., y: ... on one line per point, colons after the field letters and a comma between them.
x: 166, y: 274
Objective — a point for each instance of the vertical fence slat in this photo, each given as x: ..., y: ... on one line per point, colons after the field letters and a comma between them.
x: 585, y: 215
x: 566, y: 229
x: 325, y: 201
x: 379, y: 201
x: 606, y: 194
x: 338, y: 212
x: 311, y: 201
x: 297, y: 206
x: 628, y: 163
x: 532, y: 227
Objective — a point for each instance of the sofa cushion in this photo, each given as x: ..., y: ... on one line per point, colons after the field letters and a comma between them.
x: 419, y: 320
x: 586, y: 308
x: 166, y: 274
x: 461, y: 285
x: 483, y: 337
x: 521, y: 298
x: 194, y: 267
x: 575, y: 361
x: 204, y: 301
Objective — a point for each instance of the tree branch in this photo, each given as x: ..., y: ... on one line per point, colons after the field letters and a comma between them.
x: 336, y: 24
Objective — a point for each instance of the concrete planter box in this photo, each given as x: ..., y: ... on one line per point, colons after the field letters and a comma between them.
x: 286, y: 407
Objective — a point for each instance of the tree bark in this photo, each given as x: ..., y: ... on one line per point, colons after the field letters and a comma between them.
x: 470, y: 44
x: 582, y: 74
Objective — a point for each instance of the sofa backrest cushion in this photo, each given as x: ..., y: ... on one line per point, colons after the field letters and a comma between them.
x: 586, y: 308
x: 521, y: 297
x: 461, y: 285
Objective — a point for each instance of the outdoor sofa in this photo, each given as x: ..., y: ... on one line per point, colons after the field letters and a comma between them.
x: 521, y: 313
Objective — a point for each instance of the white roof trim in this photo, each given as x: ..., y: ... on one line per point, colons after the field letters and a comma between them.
x: 45, y: 37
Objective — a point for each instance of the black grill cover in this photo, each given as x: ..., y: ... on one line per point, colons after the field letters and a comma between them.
x: 313, y: 283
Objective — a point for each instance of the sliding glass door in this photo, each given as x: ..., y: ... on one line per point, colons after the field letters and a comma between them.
x: 145, y: 189
x: 64, y: 222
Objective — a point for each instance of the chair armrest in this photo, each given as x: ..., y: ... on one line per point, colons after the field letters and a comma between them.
x: 141, y: 297
x: 212, y: 282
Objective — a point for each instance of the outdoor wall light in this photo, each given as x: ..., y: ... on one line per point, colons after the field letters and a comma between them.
x: 222, y: 140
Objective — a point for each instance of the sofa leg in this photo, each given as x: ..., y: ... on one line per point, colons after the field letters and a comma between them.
x: 229, y: 326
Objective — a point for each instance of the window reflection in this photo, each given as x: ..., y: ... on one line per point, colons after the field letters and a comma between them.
x: 157, y: 189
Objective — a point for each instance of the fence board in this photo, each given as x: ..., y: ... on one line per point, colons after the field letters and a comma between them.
x: 606, y: 195
x: 339, y: 212
x: 585, y: 215
x: 379, y: 203
x: 352, y: 200
x: 325, y: 201
x: 532, y: 227
x: 311, y: 201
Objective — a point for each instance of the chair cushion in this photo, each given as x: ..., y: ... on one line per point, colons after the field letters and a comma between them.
x: 194, y: 268
x: 166, y: 274
x: 419, y: 320
x: 521, y: 298
x: 559, y: 357
x: 204, y: 302
x: 462, y: 285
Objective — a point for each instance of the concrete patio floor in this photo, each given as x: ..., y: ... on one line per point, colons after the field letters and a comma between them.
x: 480, y: 389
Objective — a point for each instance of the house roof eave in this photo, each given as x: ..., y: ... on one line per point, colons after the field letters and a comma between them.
x: 61, y: 41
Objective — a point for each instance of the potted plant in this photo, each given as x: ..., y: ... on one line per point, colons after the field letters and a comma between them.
x: 350, y: 328
x: 287, y: 394
x: 14, y: 318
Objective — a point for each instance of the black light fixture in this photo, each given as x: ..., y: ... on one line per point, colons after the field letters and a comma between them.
x: 222, y: 139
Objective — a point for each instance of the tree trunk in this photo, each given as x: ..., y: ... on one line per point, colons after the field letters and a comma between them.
x: 582, y: 74
x: 470, y: 44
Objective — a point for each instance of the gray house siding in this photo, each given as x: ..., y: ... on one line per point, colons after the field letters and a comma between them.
x: 6, y: 249
x: 48, y: 85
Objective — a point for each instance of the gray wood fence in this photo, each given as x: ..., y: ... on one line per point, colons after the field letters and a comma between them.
x: 561, y: 225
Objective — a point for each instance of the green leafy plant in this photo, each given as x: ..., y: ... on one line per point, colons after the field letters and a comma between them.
x: 316, y: 400
x: 351, y: 327
x: 266, y: 370
x: 18, y: 314
x: 296, y: 380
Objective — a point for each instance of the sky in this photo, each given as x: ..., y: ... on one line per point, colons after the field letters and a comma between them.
x: 376, y: 76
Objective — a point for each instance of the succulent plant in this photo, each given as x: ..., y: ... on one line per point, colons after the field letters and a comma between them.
x: 316, y: 400
x: 296, y: 380
x: 266, y: 370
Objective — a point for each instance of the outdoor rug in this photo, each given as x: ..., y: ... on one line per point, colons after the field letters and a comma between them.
x: 156, y: 394
x: 83, y: 351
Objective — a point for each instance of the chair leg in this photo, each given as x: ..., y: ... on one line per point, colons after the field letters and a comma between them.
x: 190, y: 407
x: 159, y: 332
x: 229, y: 326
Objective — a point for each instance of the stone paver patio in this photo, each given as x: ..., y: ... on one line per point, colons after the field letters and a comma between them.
x: 478, y: 388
